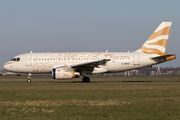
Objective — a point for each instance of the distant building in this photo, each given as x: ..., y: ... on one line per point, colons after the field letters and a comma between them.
x: 169, y: 72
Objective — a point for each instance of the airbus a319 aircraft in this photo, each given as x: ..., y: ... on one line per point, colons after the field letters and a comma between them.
x: 72, y: 65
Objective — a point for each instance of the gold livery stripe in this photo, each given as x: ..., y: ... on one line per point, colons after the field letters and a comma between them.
x: 164, y: 31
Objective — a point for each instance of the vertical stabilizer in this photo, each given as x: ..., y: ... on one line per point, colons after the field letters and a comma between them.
x: 156, y: 44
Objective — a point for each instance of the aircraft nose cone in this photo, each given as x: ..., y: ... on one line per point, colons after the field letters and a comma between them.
x: 5, y: 66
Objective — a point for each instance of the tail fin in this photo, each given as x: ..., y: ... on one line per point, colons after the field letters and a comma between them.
x: 156, y: 44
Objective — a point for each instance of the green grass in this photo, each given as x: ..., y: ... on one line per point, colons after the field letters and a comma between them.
x: 90, y: 101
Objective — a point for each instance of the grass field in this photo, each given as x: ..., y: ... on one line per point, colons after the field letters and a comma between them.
x: 90, y: 101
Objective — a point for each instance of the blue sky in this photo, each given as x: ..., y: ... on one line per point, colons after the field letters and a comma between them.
x: 84, y: 25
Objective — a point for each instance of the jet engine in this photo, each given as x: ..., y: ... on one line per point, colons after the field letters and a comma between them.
x: 64, y: 73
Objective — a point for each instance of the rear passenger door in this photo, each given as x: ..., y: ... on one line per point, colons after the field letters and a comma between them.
x: 135, y: 59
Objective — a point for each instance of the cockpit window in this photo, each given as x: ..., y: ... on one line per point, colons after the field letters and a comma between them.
x: 15, y: 59
x: 18, y: 59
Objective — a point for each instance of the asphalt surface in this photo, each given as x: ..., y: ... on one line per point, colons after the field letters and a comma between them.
x: 15, y: 80
x: 94, y: 83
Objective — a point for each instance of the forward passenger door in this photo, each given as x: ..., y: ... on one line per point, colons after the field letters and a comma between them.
x: 28, y: 59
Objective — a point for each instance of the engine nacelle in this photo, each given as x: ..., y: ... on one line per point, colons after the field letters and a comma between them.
x: 64, y: 73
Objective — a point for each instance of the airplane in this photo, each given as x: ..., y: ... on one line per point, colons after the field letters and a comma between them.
x: 72, y: 65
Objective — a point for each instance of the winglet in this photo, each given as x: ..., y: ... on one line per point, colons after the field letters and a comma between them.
x: 156, y: 44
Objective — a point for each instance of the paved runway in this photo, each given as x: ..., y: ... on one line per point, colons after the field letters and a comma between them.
x: 92, y: 83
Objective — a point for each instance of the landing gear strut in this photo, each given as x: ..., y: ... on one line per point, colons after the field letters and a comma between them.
x: 29, y: 78
x: 85, y: 79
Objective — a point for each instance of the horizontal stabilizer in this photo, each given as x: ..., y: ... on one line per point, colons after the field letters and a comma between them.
x: 164, y: 57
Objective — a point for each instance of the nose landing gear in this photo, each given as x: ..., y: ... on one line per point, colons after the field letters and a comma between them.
x: 29, y: 78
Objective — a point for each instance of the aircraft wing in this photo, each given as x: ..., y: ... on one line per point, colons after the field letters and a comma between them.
x: 91, y: 64
x: 87, y: 66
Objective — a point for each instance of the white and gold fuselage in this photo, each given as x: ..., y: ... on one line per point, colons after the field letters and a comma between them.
x: 45, y: 62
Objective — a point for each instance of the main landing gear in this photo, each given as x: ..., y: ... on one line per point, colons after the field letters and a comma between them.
x: 85, y: 79
x: 29, y: 78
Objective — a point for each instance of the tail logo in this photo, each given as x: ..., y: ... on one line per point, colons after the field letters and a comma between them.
x: 156, y: 44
